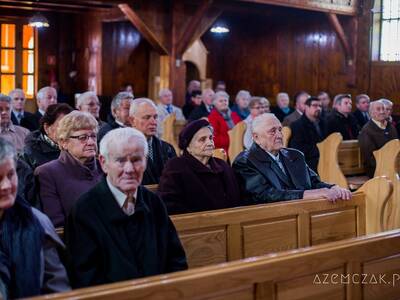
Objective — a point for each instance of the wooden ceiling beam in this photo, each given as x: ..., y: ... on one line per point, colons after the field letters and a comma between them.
x: 147, y: 33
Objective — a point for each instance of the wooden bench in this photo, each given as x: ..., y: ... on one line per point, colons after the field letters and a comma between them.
x: 236, y: 135
x: 287, y: 133
x: 330, y: 271
x: 171, y: 130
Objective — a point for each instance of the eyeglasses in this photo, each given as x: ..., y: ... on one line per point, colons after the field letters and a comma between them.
x: 83, y: 138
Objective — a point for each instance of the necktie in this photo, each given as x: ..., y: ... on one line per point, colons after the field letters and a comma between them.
x: 277, y: 160
x: 129, y: 205
x: 150, y: 149
x: 169, y: 108
x: 19, y: 117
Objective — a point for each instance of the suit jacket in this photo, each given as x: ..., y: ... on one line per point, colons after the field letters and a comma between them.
x: 361, y: 120
x: 162, y: 152
x: 262, y: 180
x: 221, y: 137
x: 372, y: 138
x: 280, y: 114
x: 105, y: 245
x: 305, y: 138
x: 294, y: 116
x: 163, y: 113
x: 38, y: 117
x: 29, y: 121
x: 199, y: 112
x: 347, y: 127
x: 105, y: 128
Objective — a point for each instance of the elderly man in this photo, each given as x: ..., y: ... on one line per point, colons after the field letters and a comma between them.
x: 45, y: 97
x: 89, y: 102
x: 308, y: 131
x: 375, y: 134
x: 13, y: 133
x: 120, y: 110
x: 220, y: 86
x: 282, y: 109
x: 119, y: 230
x: 241, y: 106
x: 205, y: 107
x: 165, y: 108
x: 341, y: 120
x: 325, y: 101
x: 194, y: 85
x: 143, y: 116
x: 300, y: 100
x: 19, y: 116
x: 258, y: 106
x: 361, y: 113
x: 270, y: 173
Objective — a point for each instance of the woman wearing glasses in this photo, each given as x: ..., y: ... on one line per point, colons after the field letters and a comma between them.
x: 63, y: 181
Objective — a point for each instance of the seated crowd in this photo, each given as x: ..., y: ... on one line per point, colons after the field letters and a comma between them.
x: 89, y: 176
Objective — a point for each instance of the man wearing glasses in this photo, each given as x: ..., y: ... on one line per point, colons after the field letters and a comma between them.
x: 267, y: 172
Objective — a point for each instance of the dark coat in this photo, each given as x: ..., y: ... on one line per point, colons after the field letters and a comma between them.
x: 262, y: 181
x: 105, y: 245
x: 372, y: 138
x: 280, y: 114
x: 187, y: 185
x: 38, y: 151
x: 29, y: 121
x: 26, y: 182
x: 361, y: 120
x: 106, y: 127
x: 61, y: 182
x: 243, y: 114
x: 347, y: 127
x: 217, y: 121
x: 162, y: 152
x: 305, y: 138
x: 198, y: 113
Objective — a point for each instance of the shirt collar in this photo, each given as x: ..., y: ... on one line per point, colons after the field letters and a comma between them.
x: 120, y: 123
x: 16, y: 113
x: 275, y: 158
x: 42, y: 112
x: 299, y: 112
x: 379, y: 124
x: 118, y: 195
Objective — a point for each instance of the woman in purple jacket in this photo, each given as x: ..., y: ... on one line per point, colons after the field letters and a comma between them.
x: 64, y: 180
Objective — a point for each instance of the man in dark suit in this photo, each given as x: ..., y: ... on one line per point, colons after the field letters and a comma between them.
x: 361, y: 113
x: 45, y: 97
x: 19, y: 116
x: 119, y: 230
x: 267, y: 172
x: 205, y: 107
x: 143, y: 117
x: 308, y: 131
x: 300, y: 98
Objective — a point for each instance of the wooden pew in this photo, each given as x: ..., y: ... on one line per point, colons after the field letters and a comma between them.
x: 236, y: 144
x: 220, y: 153
x: 287, y: 133
x: 171, y: 130
x: 330, y: 271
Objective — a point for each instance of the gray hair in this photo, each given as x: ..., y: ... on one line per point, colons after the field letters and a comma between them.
x: 43, y: 90
x: 120, y: 136
x: 386, y: 102
x: 281, y: 95
x: 16, y: 91
x: 117, y: 100
x: 162, y: 92
x: 362, y: 96
x: 373, y: 104
x: 258, y: 122
x: 5, y: 98
x: 243, y: 94
x: 135, y: 105
x: 85, y: 96
x: 206, y: 91
x: 220, y: 94
x: 7, y: 150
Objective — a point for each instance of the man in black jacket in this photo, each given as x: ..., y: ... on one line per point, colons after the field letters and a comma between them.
x: 205, y: 107
x: 143, y: 117
x: 19, y: 116
x: 119, y: 230
x: 361, y: 113
x: 267, y: 172
x: 308, y: 131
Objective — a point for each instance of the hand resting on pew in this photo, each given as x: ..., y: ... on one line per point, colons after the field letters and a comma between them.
x: 331, y: 194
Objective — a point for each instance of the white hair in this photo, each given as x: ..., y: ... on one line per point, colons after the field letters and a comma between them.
x: 85, y: 96
x: 220, y: 94
x: 135, y: 105
x: 259, y: 122
x: 16, y: 91
x: 206, y: 91
x: 243, y: 94
x: 386, y: 102
x: 120, y: 136
x: 163, y: 91
x: 282, y: 95
x: 117, y: 100
x: 41, y: 93
x: 5, y: 98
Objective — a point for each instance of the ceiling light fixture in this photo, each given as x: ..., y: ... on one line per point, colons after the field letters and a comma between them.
x: 38, y: 21
x: 219, y: 29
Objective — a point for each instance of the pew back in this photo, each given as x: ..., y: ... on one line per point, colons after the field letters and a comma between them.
x: 287, y: 133
x: 236, y: 144
x: 350, y: 159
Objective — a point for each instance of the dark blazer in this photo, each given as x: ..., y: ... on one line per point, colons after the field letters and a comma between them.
x: 198, y: 113
x: 38, y: 117
x: 187, y: 185
x: 372, y: 138
x: 29, y: 121
x: 294, y: 116
x: 105, y: 245
x: 106, y: 127
x: 347, y: 127
x: 162, y: 152
x: 61, y: 182
x: 262, y: 181
x: 280, y: 114
x: 361, y: 120
x: 305, y: 138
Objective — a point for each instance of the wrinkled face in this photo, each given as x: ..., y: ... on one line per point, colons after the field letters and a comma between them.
x: 5, y: 113
x: 145, y: 119
x: 221, y: 104
x: 300, y: 104
x: 202, y: 143
x: 207, y: 97
x: 51, y: 130
x: 345, y: 106
x: 82, y: 144
x: 270, y: 136
x: 243, y: 102
x: 363, y: 104
x: 265, y: 107
x: 314, y: 110
x: 256, y: 110
x: 91, y: 105
x: 388, y: 110
x: 325, y: 100
x: 378, y: 112
x: 122, y: 112
x: 197, y: 100
x: 49, y: 98
x: 125, y: 165
x: 166, y: 98
x: 18, y: 100
x: 8, y: 184
x: 282, y: 101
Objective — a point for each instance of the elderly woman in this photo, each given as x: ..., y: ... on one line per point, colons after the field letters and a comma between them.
x: 222, y: 119
x: 29, y: 261
x: 63, y: 181
x: 282, y: 108
x: 241, y: 107
x: 196, y: 181
x: 258, y: 106
x: 89, y: 102
x: 40, y: 145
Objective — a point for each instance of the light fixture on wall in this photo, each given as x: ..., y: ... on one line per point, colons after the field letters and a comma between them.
x: 38, y: 21
x: 219, y: 29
